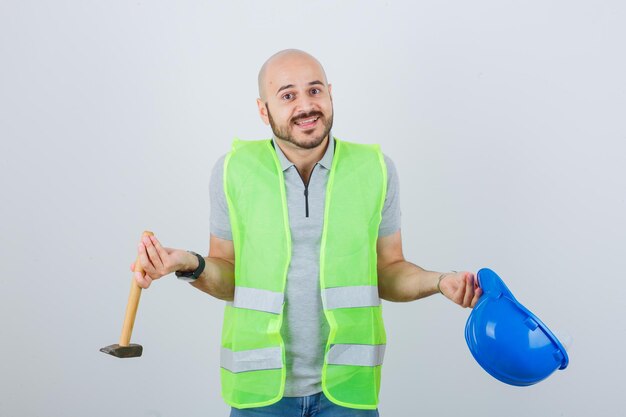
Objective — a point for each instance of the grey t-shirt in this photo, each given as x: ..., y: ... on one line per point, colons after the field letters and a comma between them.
x: 304, y: 330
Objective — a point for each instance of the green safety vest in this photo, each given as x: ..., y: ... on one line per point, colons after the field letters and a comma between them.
x: 253, y: 354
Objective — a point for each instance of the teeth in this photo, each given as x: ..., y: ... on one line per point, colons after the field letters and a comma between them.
x: 307, y: 121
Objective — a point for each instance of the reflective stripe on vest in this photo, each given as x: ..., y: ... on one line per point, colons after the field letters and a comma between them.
x: 356, y: 355
x: 251, y: 360
x: 351, y: 297
x: 260, y: 300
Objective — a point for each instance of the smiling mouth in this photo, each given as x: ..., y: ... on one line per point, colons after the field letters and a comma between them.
x: 308, y: 122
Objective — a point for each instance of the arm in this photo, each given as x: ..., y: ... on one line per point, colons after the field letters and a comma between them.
x: 217, y: 279
x: 400, y: 280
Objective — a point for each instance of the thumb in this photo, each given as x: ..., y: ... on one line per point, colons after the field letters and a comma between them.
x: 143, y: 280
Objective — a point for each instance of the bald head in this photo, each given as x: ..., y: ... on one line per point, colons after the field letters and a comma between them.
x: 283, y: 62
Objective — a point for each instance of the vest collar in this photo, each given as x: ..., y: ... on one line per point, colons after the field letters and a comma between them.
x: 326, y: 160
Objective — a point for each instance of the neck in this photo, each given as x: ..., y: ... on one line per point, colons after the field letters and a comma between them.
x: 303, y: 159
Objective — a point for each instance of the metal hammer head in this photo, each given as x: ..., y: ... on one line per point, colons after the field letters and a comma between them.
x: 130, y: 351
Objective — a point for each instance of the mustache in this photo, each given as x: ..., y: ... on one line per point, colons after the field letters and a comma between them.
x: 307, y: 115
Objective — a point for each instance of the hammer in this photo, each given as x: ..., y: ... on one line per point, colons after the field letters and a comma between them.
x: 125, y: 349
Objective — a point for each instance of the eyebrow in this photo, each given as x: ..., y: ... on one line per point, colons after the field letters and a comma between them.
x: 284, y: 87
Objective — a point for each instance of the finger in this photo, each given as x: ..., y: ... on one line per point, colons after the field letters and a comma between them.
x: 144, y: 259
x: 163, y: 254
x: 152, y: 253
x: 477, y: 295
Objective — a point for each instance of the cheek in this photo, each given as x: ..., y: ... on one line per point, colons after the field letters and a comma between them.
x: 280, y: 113
x: 287, y: 114
x: 328, y: 106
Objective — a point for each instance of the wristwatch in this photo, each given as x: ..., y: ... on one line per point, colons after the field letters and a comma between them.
x: 191, y: 276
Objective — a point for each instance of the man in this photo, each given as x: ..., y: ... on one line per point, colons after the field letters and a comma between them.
x: 314, y: 222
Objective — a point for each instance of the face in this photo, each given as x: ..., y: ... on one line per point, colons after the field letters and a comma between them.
x: 298, y: 104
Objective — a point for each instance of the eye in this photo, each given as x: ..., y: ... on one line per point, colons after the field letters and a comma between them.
x: 287, y: 96
x: 315, y: 91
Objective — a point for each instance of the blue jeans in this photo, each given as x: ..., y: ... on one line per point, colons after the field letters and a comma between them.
x: 316, y: 405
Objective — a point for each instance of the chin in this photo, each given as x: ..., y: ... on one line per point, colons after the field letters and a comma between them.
x: 309, y: 143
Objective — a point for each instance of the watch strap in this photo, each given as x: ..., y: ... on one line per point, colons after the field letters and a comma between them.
x: 192, y: 275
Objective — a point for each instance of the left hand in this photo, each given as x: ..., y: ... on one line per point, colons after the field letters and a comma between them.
x: 462, y: 288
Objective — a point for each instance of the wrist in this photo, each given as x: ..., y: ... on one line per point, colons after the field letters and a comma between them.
x: 439, y: 279
x: 188, y: 263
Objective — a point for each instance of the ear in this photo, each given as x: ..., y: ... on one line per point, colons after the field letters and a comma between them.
x: 263, y: 111
x: 330, y: 91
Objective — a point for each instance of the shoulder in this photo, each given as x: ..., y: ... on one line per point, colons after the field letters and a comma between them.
x: 216, y: 182
x: 218, y: 167
x: 374, y: 147
x: 362, y: 151
x: 391, y: 166
x: 249, y: 145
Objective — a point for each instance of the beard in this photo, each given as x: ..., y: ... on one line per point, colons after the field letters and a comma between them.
x: 284, y: 132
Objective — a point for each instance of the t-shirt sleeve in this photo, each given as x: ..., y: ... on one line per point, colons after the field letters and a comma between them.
x: 219, y: 220
x: 390, y: 222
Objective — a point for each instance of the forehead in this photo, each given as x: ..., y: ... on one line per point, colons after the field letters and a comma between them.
x: 296, y: 70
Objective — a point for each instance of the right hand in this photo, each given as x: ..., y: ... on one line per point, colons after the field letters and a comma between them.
x: 462, y: 288
x: 158, y: 261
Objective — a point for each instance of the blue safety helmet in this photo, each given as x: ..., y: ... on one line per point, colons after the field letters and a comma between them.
x: 507, y: 340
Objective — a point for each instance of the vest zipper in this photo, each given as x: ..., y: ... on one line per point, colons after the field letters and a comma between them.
x: 306, y: 189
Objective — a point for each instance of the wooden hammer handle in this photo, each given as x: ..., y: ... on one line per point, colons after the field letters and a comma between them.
x: 133, y: 303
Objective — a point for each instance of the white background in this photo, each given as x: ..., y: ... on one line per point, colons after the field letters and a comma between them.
x: 505, y: 120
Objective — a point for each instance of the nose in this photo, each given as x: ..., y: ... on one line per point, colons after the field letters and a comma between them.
x: 304, y: 104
